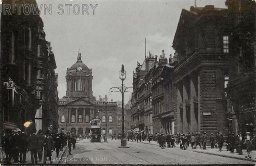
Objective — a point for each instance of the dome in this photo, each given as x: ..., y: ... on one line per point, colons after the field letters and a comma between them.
x: 79, y: 65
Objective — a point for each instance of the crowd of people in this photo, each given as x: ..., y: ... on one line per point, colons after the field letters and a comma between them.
x: 16, y: 144
x: 233, y: 143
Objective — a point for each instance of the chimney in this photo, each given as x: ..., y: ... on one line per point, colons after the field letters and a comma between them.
x: 106, y: 98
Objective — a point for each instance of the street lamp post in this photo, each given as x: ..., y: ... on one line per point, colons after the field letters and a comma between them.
x: 123, y: 77
x: 122, y: 89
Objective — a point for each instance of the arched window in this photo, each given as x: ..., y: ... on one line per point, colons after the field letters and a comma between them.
x: 103, y: 119
x: 62, y: 119
x: 110, y: 119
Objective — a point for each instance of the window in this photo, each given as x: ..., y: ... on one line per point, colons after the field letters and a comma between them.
x: 103, y: 119
x: 73, y: 115
x: 225, y: 44
x: 29, y: 38
x: 226, y: 79
x: 39, y: 74
x: 62, y: 119
x: 73, y: 119
x: 80, y: 118
x: 87, y: 118
x: 103, y: 131
x: 39, y: 95
x: 12, y: 49
x: 110, y: 131
x: 110, y: 119
x: 38, y: 50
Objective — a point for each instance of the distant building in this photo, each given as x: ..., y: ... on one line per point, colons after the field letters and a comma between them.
x: 79, y: 106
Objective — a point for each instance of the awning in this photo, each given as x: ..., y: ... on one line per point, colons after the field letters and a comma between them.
x: 10, y: 125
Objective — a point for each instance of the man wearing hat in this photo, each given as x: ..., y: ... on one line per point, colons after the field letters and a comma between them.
x: 204, y: 140
x: 248, y: 144
x: 212, y: 141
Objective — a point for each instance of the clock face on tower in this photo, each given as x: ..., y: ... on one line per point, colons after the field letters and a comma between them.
x: 79, y: 69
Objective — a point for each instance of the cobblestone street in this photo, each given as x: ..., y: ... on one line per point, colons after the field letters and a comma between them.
x: 140, y: 153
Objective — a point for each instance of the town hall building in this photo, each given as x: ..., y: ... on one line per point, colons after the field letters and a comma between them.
x: 79, y: 106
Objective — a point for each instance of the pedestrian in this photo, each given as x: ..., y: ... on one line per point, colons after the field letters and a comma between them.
x: 198, y: 140
x: 193, y: 140
x: 212, y: 141
x: 23, y: 146
x: 204, y: 140
x: 6, y: 144
x: 220, y: 141
x: 216, y: 139
x: 74, y: 140
x: 69, y: 142
x: 150, y: 137
x: 48, y: 147
x: 172, y: 141
x: 248, y: 144
x: 168, y: 140
x: 40, y: 137
x: 33, y: 147
x: 15, y: 146
x: 188, y: 139
x: 239, y: 144
x: 57, y: 144
x: 232, y: 142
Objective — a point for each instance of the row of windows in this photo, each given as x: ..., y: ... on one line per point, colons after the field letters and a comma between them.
x: 73, y: 119
x: 110, y: 119
x: 110, y: 131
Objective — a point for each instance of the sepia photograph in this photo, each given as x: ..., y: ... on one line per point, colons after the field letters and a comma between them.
x: 128, y: 82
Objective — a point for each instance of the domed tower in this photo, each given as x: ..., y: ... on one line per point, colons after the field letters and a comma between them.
x: 79, y: 80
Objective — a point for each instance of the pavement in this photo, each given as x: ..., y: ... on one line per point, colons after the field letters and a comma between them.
x: 141, y: 153
x: 216, y: 152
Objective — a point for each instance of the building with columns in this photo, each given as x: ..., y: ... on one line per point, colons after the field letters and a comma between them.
x: 200, y: 76
x: 79, y: 106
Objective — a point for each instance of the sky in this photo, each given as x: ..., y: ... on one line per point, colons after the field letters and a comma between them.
x: 110, y: 33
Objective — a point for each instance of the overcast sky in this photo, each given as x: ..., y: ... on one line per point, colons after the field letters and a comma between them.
x: 113, y: 36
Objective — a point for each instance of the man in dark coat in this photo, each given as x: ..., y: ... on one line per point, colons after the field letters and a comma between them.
x: 220, y: 141
x: 33, y: 146
x: 23, y: 146
x: 69, y: 142
x: 57, y: 144
x: 198, y: 140
x: 40, y: 137
x: 48, y: 147
x: 212, y: 140
x: 204, y: 140
x: 6, y: 144
x: 168, y: 140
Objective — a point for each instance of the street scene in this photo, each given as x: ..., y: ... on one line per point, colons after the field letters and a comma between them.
x: 128, y: 82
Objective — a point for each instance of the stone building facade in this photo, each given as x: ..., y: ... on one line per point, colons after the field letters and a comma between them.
x: 202, y: 48
x: 163, y: 96
x: 141, y: 101
x: 79, y: 106
x: 153, y: 98
x: 25, y: 67
x: 241, y: 89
